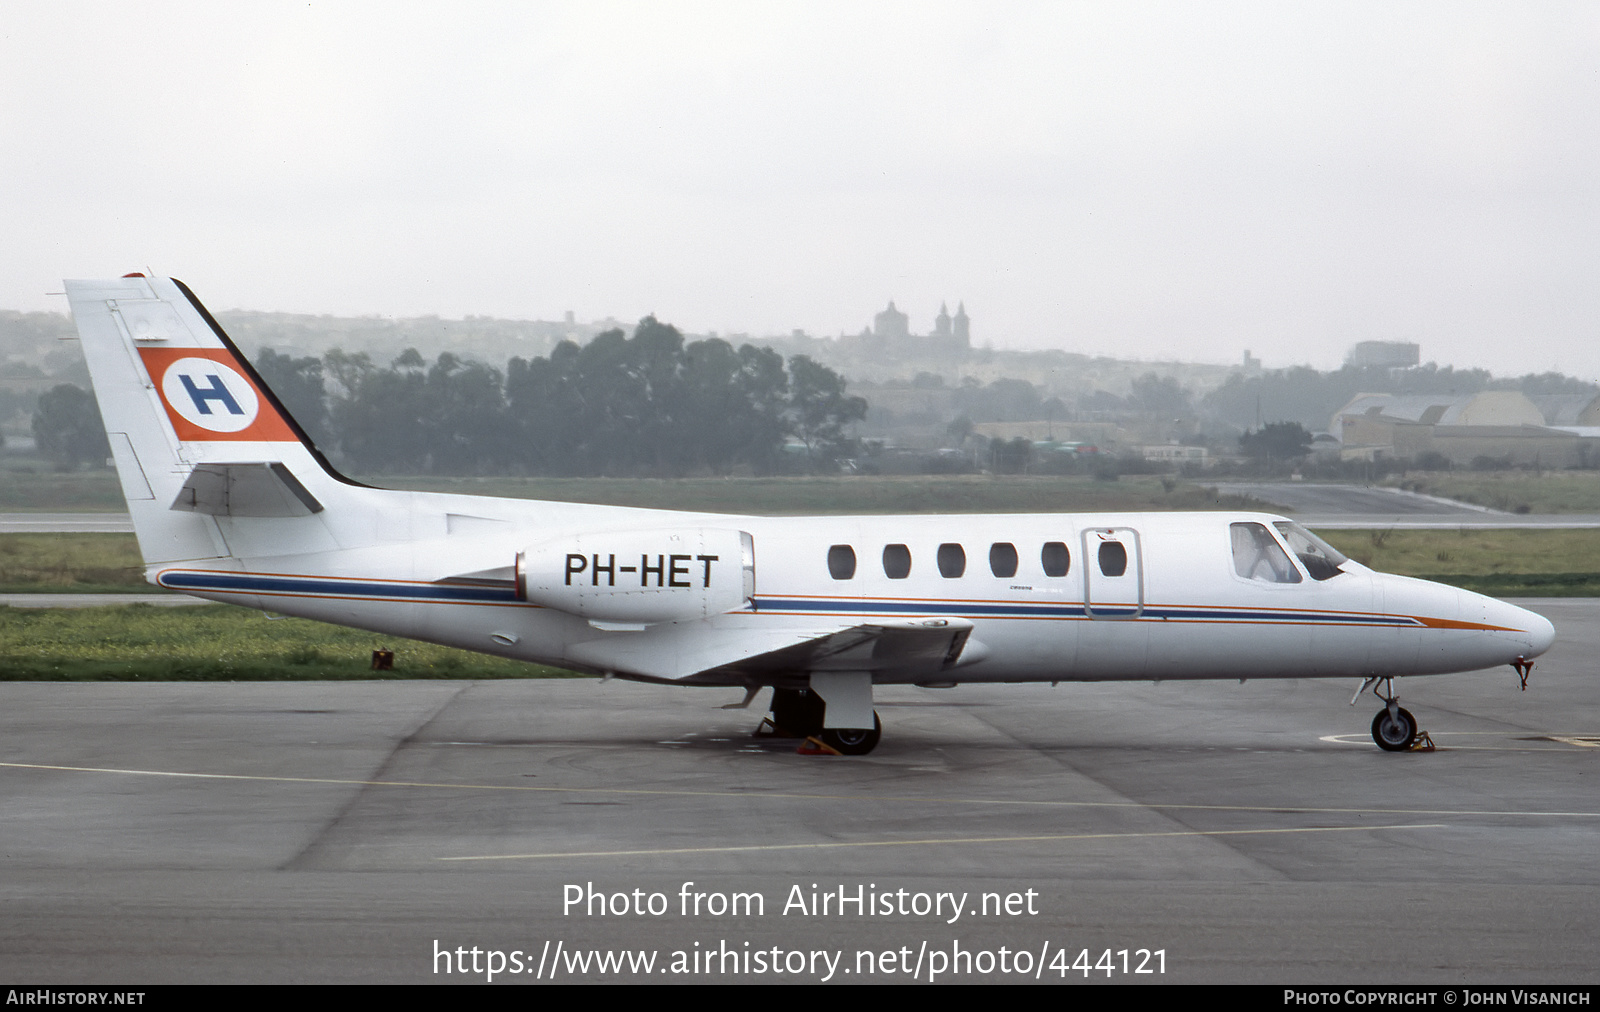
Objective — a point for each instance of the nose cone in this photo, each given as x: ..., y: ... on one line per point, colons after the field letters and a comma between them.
x: 1540, y: 632
x: 1465, y: 631
x: 1533, y: 633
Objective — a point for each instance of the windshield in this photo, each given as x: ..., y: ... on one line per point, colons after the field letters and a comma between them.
x: 1321, y: 559
x: 1256, y: 556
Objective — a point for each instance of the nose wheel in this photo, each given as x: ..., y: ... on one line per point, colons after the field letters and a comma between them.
x: 1394, y: 728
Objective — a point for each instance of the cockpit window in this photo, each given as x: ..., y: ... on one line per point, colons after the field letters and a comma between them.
x: 1258, y: 556
x: 1321, y: 559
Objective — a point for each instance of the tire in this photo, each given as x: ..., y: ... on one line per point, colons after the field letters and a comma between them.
x: 852, y: 740
x: 1394, y: 735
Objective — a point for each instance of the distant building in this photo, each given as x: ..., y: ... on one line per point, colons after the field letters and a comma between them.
x: 1173, y: 453
x: 1105, y: 435
x: 1499, y: 425
x: 1353, y: 422
x: 1384, y: 355
x: 891, y: 324
x: 950, y: 333
x: 1569, y: 410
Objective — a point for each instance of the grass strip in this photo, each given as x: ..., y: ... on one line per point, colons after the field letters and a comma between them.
x: 141, y: 642
x: 72, y: 564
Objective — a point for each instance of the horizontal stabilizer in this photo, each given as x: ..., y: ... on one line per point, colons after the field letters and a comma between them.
x: 245, y: 490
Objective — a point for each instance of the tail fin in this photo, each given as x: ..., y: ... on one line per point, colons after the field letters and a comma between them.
x: 199, y: 440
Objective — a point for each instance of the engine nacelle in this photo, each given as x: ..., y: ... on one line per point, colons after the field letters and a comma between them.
x: 669, y: 575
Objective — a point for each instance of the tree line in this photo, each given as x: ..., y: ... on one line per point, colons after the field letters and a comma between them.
x: 647, y: 405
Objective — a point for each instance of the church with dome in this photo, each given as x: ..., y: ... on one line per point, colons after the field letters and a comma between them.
x: 891, y: 329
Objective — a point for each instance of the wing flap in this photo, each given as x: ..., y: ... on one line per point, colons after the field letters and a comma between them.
x: 737, y: 651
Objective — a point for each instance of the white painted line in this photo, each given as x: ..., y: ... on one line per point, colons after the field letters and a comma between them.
x: 933, y: 842
x: 871, y: 799
x: 1574, y: 741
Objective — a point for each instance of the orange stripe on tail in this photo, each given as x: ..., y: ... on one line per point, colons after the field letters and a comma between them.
x: 209, y: 398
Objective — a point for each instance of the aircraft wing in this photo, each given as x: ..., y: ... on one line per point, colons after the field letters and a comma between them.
x: 738, y: 652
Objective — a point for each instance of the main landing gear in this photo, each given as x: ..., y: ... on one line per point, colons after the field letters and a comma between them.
x: 798, y: 713
x: 1394, y: 728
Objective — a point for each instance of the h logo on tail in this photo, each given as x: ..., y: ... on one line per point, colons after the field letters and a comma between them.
x: 208, y: 396
x: 217, y: 391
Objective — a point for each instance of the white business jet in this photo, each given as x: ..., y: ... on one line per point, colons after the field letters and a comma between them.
x: 232, y: 502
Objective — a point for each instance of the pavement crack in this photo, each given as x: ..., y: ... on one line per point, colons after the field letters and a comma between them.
x: 307, y: 857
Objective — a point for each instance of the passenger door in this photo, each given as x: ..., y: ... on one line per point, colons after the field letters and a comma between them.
x: 1113, y: 573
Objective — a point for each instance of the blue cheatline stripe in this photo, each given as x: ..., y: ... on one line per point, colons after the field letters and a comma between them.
x: 252, y: 583
x: 1068, y: 611
x: 257, y: 583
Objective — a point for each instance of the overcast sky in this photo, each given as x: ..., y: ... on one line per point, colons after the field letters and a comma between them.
x: 1139, y: 179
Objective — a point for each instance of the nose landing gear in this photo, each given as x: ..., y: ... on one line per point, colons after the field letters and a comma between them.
x: 1394, y: 728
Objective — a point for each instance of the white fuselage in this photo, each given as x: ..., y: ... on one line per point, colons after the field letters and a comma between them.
x: 1179, y: 609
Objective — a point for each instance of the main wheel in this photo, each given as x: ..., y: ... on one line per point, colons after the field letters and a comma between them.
x: 1394, y: 734
x: 797, y: 712
x: 853, y: 740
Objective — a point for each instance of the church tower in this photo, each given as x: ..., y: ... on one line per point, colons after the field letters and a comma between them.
x: 963, y: 327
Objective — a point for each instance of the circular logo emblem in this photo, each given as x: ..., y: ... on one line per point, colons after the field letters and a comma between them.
x: 210, y: 394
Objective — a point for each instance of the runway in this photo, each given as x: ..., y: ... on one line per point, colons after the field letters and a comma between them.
x: 1338, y: 499
x: 351, y: 832
x: 160, y: 600
x: 65, y: 523
x: 1369, y: 507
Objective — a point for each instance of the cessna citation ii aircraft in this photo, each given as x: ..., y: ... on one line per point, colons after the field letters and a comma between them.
x: 232, y: 502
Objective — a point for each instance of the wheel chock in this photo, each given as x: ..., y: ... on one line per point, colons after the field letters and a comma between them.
x: 810, y: 746
x: 816, y: 746
x: 1423, y: 743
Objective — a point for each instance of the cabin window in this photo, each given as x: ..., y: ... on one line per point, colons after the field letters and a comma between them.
x: 952, y: 561
x: 1055, y: 558
x: 1003, y: 559
x: 1258, y: 556
x: 896, y: 562
x: 1321, y: 559
x: 1113, y: 558
x: 842, y: 562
